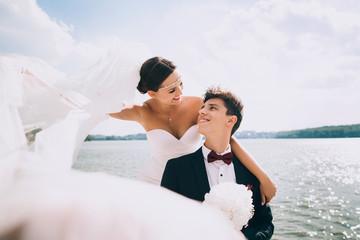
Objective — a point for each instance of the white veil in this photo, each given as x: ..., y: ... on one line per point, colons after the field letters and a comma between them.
x: 66, y: 106
x: 41, y: 197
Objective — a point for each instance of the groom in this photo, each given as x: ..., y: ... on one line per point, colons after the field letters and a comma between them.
x: 193, y: 175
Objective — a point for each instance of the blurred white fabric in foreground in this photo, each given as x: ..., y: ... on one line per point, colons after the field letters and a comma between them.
x: 41, y: 204
x: 42, y: 198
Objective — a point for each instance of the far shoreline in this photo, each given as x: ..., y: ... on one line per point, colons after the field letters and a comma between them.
x: 340, y: 131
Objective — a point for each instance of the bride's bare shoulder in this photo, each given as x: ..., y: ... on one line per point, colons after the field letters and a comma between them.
x: 147, y: 105
x: 148, y: 108
x: 193, y: 104
x: 193, y: 99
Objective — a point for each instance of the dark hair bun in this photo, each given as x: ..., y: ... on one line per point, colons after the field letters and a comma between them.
x: 140, y: 87
x: 153, y: 72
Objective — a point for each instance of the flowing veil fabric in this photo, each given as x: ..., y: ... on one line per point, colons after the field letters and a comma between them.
x: 67, y: 106
x: 41, y: 197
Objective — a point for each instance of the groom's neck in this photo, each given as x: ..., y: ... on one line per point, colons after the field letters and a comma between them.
x: 218, y: 144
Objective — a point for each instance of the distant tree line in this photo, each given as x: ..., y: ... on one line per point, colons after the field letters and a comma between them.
x: 30, y: 135
x: 254, y: 134
x: 343, y: 131
x: 139, y: 136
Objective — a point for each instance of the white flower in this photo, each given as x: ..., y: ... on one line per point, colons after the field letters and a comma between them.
x: 235, y: 200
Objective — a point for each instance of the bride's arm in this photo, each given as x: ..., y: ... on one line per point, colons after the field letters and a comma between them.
x: 267, y: 187
x: 133, y: 113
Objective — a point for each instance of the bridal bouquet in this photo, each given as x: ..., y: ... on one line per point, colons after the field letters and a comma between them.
x: 234, y: 200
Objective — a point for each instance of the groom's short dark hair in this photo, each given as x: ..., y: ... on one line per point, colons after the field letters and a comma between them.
x: 232, y: 103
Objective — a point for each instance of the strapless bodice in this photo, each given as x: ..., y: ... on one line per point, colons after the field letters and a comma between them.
x: 165, y: 146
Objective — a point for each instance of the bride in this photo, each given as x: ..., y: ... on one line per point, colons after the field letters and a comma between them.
x: 170, y: 119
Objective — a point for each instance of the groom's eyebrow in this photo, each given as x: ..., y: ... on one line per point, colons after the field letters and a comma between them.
x: 213, y: 105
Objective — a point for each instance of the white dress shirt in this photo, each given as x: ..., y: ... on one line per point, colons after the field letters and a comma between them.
x: 218, y: 171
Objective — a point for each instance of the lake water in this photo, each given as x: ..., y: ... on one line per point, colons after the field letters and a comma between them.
x: 318, y: 180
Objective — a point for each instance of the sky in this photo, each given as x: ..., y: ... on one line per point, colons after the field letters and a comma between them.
x: 294, y: 64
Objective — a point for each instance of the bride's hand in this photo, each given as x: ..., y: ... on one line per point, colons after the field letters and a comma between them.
x: 27, y: 72
x: 267, y: 190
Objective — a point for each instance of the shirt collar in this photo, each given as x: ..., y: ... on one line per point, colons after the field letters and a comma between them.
x: 206, y: 151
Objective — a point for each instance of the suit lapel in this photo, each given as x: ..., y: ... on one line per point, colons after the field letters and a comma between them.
x: 201, y: 175
x: 239, y: 171
x: 200, y: 172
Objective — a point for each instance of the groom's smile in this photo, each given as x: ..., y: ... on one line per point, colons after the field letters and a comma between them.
x: 202, y: 120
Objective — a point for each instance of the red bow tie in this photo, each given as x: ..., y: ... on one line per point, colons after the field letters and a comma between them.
x: 213, y: 156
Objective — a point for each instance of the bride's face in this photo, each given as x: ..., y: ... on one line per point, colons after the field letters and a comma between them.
x: 170, y: 90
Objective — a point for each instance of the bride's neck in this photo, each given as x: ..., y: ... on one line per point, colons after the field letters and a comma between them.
x: 165, y: 108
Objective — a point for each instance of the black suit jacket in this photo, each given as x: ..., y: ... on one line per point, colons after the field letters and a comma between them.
x: 187, y: 176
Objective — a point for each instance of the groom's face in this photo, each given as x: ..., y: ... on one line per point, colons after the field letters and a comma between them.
x: 212, y: 117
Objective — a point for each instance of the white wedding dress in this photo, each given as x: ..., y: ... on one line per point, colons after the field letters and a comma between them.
x: 165, y: 146
x: 41, y: 197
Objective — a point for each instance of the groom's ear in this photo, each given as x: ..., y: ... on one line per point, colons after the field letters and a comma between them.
x: 231, y: 121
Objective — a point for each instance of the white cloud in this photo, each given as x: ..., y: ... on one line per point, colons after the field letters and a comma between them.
x: 25, y: 28
x: 294, y: 63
